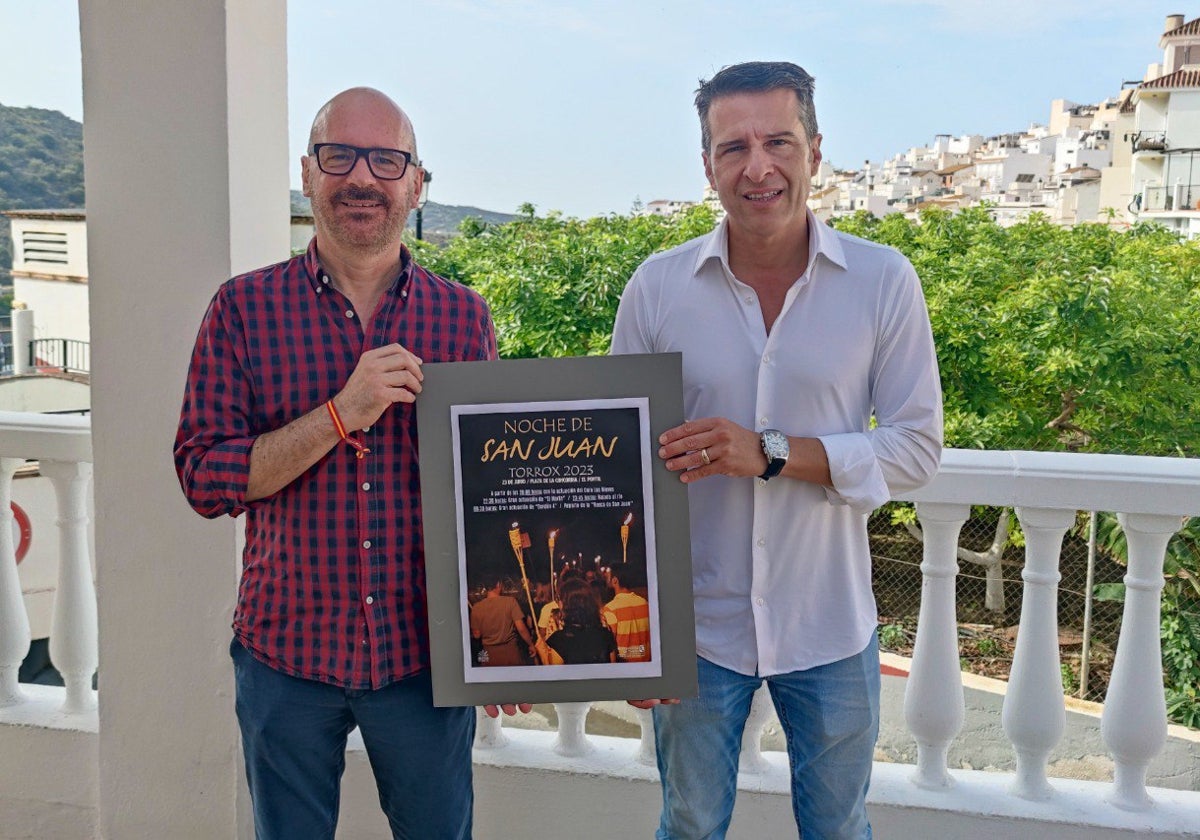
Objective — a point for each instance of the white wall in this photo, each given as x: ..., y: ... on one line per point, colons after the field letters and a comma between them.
x: 75, y: 233
x: 60, y: 308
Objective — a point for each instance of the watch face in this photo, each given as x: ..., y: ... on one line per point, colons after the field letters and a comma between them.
x: 775, y: 444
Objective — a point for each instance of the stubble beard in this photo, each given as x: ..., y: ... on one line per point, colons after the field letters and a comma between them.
x: 361, y: 230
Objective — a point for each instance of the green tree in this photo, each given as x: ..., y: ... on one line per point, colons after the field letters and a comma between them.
x: 553, y: 283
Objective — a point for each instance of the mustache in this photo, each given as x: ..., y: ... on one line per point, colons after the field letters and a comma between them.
x: 361, y: 194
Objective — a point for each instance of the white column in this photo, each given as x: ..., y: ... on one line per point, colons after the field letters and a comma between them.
x: 1034, y: 713
x: 751, y: 759
x: 933, y: 697
x: 571, y: 740
x: 1134, y: 722
x: 186, y: 169
x: 73, y: 646
x: 22, y: 334
x: 14, y: 621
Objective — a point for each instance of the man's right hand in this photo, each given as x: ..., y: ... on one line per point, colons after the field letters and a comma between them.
x: 383, y: 376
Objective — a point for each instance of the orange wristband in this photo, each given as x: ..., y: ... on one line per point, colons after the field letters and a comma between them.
x: 359, y: 449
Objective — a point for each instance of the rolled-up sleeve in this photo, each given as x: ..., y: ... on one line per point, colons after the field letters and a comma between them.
x: 213, y: 442
x: 903, y: 448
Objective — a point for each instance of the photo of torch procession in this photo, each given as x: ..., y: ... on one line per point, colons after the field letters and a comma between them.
x: 557, y: 562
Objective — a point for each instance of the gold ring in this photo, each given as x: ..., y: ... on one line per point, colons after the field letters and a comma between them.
x: 704, y: 459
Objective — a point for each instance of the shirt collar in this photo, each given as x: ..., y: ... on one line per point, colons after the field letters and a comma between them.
x: 822, y: 241
x: 312, y: 267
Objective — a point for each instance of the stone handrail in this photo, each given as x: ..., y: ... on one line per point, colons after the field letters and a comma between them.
x: 63, y: 448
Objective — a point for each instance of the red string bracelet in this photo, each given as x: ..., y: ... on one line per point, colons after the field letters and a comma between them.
x: 359, y: 449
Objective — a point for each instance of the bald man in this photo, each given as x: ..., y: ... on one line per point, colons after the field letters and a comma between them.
x: 298, y: 412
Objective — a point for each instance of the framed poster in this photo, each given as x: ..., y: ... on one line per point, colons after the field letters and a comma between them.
x: 556, y: 542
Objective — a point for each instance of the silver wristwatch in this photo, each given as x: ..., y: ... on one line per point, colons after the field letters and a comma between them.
x: 775, y: 446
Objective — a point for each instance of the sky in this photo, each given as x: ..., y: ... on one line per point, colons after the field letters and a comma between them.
x: 583, y: 107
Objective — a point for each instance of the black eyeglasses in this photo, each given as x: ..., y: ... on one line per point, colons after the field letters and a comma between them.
x: 339, y: 159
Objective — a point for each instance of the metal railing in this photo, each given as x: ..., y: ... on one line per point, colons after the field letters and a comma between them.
x: 66, y: 354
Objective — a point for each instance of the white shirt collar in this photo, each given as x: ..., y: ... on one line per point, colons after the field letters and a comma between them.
x: 822, y: 241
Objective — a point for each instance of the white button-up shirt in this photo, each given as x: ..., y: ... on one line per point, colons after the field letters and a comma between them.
x: 782, y: 569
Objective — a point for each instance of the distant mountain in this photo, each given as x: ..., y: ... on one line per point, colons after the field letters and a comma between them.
x: 439, y: 222
x: 41, y: 167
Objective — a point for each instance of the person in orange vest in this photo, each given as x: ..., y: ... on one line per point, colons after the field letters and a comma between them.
x: 628, y: 615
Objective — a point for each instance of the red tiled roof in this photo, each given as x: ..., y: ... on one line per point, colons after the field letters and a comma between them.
x: 1178, y: 79
x: 1192, y: 27
x: 1128, y: 106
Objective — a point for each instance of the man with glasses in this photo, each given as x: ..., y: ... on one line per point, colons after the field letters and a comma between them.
x: 298, y: 412
x: 811, y: 391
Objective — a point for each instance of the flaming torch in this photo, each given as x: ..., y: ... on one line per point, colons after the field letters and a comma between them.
x: 553, y: 584
x: 519, y: 542
x: 625, y: 536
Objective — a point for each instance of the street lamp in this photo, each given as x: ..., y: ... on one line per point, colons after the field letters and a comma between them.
x: 424, y: 197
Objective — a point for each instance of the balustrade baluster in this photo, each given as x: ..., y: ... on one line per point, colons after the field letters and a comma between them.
x: 646, y: 753
x: 1134, y: 722
x: 934, y: 707
x: 489, y: 734
x: 571, y: 740
x: 73, y: 643
x: 751, y: 759
x: 1034, y: 714
x: 14, y: 621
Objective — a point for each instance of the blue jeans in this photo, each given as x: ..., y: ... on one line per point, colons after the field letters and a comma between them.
x: 830, y: 718
x: 294, y: 739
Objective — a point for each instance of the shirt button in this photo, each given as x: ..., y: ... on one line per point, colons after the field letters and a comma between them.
x: 319, y: 291
x: 761, y: 542
x: 325, y: 279
x: 749, y: 299
x: 371, y: 599
x: 366, y: 543
x: 767, y: 359
x: 366, y: 428
x: 759, y: 601
x: 763, y: 420
x: 366, y: 485
x: 349, y: 313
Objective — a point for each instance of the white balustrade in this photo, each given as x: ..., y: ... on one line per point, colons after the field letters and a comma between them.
x: 1046, y: 490
x: 1134, y: 723
x: 934, y: 707
x: 14, y: 621
x: 62, y: 445
x: 751, y: 759
x: 571, y: 740
x: 1034, y: 715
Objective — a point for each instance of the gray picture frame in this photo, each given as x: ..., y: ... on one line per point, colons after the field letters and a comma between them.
x: 657, y: 378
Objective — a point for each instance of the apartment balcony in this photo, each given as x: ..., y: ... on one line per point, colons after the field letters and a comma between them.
x: 1177, y: 198
x: 1148, y: 143
x: 55, y: 778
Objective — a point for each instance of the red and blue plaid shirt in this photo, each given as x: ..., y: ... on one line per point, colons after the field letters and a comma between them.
x: 333, y: 575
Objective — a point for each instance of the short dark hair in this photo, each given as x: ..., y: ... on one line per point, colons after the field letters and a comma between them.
x: 757, y: 77
x: 630, y: 577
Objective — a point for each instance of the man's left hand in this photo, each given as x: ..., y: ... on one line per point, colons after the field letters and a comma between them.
x: 510, y: 709
x: 712, y: 446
